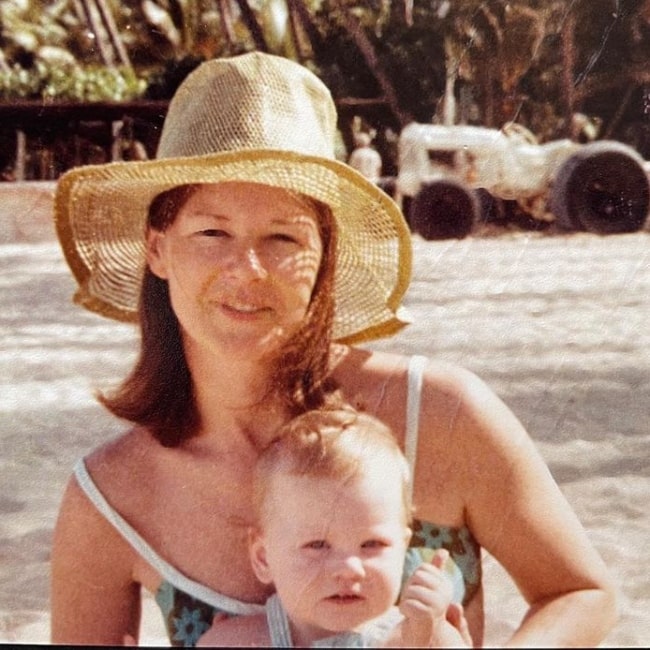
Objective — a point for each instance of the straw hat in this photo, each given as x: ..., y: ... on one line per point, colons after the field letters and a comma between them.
x: 256, y: 118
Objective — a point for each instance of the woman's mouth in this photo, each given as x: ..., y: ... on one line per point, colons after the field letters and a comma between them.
x: 243, y: 309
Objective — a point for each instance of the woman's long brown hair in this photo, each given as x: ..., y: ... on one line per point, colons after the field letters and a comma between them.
x: 158, y: 393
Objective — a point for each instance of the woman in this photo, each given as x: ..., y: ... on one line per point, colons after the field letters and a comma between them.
x: 252, y: 260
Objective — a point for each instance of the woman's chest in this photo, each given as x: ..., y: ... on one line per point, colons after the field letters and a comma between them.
x: 199, y: 523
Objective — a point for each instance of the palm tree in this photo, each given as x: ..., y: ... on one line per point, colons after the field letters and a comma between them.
x: 493, y: 45
x: 99, y: 18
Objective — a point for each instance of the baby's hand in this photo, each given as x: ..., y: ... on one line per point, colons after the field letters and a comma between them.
x: 211, y: 637
x: 425, y: 600
x: 431, y: 620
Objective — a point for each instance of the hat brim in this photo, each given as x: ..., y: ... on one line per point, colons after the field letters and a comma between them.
x: 101, y: 211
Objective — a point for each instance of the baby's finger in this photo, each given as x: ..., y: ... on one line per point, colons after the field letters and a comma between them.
x: 440, y: 557
x: 219, y: 616
x: 433, y: 600
x: 430, y: 576
x: 456, y: 617
x: 415, y: 607
x: 443, y: 563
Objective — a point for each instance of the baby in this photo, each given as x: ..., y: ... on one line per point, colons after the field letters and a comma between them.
x: 332, y: 507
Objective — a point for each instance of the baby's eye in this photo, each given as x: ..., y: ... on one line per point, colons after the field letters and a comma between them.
x: 317, y: 545
x: 373, y: 544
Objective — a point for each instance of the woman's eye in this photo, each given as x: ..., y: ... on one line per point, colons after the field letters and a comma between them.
x: 283, y: 237
x: 213, y: 232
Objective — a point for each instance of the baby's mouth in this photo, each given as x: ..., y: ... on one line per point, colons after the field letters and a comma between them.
x: 345, y: 598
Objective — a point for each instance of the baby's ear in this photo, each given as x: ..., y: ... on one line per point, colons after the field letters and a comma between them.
x: 257, y: 554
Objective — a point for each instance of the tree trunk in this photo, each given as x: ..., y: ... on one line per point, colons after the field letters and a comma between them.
x: 568, y: 57
x: 451, y: 74
x: 113, y: 33
x: 253, y: 26
x: 96, y: 26
x: 227, y: 22
x: 305, y: 35
x: 356, y: 33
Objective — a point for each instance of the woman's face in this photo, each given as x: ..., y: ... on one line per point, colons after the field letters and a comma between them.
x: 241, y: 261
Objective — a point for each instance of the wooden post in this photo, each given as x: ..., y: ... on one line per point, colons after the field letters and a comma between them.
x: 21, y: 155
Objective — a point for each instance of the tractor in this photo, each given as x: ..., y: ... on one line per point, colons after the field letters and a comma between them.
x: 452, y: 177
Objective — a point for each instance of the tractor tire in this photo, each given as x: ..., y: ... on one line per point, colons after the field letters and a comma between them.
x: 443, y: 209
x: 603, y: 188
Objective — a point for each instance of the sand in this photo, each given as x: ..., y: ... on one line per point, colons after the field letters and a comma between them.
x: 558, y: 326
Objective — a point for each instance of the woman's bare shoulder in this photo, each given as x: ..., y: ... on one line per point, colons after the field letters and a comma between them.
x: 358, y: 366
x: 124, y: 469
x: 122, y: 447
x: 127, y: 454
x: 456, y: 405
x: 92, y: 571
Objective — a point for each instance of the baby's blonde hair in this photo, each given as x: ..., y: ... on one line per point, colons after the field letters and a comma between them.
x: 331, y: 444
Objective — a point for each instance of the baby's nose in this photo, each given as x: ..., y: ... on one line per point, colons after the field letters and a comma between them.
x: 350, y: 567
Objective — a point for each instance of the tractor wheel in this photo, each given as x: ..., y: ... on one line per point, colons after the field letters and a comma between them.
x: 603, y: 188
x: 444, y: 209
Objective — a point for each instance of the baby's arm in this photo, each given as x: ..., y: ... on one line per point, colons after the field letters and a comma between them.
x: 431, y: 620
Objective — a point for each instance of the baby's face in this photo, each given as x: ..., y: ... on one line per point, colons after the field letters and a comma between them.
x: 333, y: 549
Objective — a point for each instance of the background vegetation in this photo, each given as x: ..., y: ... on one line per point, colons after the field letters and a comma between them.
x: 535, y: 62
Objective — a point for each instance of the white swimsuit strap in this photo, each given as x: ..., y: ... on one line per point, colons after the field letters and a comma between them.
x: 166, y: 570
x: 280, y: 632
x: 278, y: 624
x: 416, y: 367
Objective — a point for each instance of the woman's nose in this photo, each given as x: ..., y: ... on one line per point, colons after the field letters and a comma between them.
x: 248, y: 262
x: 255, y: 263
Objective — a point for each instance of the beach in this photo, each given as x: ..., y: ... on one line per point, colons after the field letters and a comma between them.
x: 558, y: 325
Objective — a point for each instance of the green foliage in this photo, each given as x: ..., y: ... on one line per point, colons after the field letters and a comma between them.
x: 414, y: 59
x: 49, y: 82
x: 500, y: 60
x: 411, y: 56
x: 163, y: 84
x: 532, y: 61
